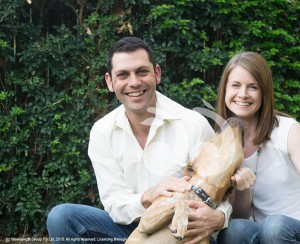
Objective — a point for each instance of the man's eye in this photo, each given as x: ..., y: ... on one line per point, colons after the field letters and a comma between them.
x: 143, y: 72
x: 122, y: 76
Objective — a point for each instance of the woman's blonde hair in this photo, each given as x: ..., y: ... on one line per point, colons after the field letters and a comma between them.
x: 258, y: 67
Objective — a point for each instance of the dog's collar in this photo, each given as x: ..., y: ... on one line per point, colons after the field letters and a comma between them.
x: 204, y: 196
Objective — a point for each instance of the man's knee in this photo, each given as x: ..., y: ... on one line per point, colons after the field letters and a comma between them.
x: 58, y: 214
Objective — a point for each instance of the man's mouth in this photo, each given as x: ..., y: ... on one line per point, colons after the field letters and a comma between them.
x: 135, y: 94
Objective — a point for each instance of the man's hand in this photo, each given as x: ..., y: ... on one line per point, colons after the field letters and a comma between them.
x: 165, y: 188
x: 203, y: 221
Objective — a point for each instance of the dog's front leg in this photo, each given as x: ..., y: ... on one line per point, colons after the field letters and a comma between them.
x: 180, y: 220
x: 157, y: 215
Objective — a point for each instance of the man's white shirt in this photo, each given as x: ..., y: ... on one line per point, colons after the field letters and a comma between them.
x: 124, y: 171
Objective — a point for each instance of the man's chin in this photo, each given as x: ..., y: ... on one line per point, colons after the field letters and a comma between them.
x: 136, y: 109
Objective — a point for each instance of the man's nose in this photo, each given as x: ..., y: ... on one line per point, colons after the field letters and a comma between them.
x: 134, y: 80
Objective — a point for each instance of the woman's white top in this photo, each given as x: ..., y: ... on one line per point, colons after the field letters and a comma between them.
x: 277, y: 186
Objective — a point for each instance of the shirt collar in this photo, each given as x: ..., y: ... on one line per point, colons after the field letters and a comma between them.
x: 164, y: 111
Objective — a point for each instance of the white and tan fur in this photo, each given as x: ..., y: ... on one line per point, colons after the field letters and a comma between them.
x: 166, y: 220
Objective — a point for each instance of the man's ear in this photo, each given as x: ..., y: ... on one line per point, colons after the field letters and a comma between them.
x: 158, y: 74
x: 109, y: 82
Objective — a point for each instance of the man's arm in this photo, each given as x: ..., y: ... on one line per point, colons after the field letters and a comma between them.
x: 165, y: 188
x: 119, y: 199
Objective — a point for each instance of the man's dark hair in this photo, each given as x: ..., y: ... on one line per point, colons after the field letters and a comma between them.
x: 127, y: 45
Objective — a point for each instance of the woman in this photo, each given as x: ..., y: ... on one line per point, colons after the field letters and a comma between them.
x: 267, y: 187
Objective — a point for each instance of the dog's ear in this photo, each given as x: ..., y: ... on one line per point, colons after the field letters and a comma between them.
x: 237, y: 122
x: 234, y: 122
x: 189, y: 170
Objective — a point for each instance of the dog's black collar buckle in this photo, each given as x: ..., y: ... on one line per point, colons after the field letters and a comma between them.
x: 204, y: 196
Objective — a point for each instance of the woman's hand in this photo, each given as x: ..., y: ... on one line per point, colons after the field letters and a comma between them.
x: 243, y: 179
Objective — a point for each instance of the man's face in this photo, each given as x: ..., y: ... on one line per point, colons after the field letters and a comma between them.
x: 134, y: 81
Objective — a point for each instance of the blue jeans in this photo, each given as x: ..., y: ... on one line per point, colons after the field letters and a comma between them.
x: 75, y: 223
x: 277, y: 229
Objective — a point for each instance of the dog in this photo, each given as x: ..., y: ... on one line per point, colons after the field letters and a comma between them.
x: 211, y: 172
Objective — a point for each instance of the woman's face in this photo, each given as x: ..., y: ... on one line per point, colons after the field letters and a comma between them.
x: 243, y: 94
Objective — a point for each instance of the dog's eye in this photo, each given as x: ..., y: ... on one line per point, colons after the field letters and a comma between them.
x: 189, y: 170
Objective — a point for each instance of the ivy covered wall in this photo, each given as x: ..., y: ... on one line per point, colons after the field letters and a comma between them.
x: 52, y: 89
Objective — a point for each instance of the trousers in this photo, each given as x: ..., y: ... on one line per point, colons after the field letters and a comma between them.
x: 275, y: 229
x: 76, y: 223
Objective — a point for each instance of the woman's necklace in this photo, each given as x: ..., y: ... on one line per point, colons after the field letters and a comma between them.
x: 258, y: 151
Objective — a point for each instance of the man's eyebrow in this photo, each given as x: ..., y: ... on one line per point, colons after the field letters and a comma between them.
x: 137, y: 69
x: 121, y: 71
x: 143, y: 67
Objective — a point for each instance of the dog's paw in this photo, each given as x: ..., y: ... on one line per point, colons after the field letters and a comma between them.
x: 179, y: 223
x: 179, y: 230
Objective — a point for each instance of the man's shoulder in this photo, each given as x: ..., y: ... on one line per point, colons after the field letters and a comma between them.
x: 108, y: 120
x: 179, y: 110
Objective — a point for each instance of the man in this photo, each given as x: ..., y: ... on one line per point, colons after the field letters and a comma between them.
x: 138, y: 152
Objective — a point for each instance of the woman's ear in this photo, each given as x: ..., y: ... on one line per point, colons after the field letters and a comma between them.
x: 109, y: 82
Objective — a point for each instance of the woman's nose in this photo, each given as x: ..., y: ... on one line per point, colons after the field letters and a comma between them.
x: 243, y: 92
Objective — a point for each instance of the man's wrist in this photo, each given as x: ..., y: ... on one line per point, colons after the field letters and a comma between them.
x: 220, y: 216
x: 226, y: 208
x: 145, y: 199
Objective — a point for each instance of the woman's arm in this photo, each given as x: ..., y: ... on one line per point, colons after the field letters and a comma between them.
x: 294, y: 145
x: 241, y: 197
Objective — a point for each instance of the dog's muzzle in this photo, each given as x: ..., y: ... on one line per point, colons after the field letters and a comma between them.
x: 204, y: 196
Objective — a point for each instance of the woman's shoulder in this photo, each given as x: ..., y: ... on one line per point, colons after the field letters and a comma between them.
x: 279, y: 135
x: 286, y: 122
